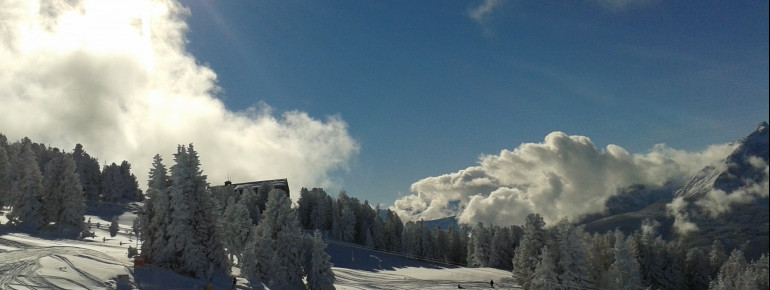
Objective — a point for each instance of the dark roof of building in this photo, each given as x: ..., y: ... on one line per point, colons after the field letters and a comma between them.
x: 282, y: 184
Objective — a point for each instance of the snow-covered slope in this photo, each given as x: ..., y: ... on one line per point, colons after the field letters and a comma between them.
x: 28, y: 262
x: 736, y: 168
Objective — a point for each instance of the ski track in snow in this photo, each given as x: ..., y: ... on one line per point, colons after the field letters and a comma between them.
x: 28, y: 262
x: 30, y: 267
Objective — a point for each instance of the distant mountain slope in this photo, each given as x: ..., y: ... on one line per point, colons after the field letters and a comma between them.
x: 737, y: 167
x: 743, y: 225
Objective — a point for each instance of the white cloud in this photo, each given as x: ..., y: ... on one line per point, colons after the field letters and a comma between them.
x: 678, y: 209
x: 621, y: 5
x: 562, y: 177
x: 115, y: 76
x: 482, y: 12
x: 717, y: 202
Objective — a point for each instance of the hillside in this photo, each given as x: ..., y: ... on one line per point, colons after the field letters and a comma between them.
x: 740, y: 224
x: 29, y: 262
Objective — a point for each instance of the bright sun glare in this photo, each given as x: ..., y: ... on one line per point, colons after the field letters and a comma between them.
x: 98, y: 26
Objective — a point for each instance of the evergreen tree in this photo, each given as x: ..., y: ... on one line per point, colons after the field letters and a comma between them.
x: 481, y: 246
x: 758, y: 274
x: 111, y: 185
x: 601, y: 255
x: 544, y: 276
x: 717, y: 257
x: 427, y: 244
x: 88, y: 172
x: 378, y: 231
x: 321, y: 213
x: 572, y: 265
x: 250, y: 200
x: 235, y: 227
x: 527, y: 256
x: 26, y: 189
x: 65, y: 201
x: 347, y: 223
x: 697, y: 269
x: 625, y: 270
x: 441, y: 240
x: 254, y: 259
x: 273, y: 254
x: 114, y: 227
x: 196, y: 248
x: 305, y: 206
x: 129, y: 185
x: 156, y: 215
x: 652, y: 258
x: 675, y: 265
x: 731, y: 274
x: 502, y: 249
x: 394, y: 228
x: 320, y: 276
x: 456, y: 249
x: 5, y: 177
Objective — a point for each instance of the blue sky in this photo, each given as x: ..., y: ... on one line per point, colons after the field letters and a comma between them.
x: 426, y: 88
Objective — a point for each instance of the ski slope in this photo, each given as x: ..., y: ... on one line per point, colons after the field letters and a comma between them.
x: 28, y: 262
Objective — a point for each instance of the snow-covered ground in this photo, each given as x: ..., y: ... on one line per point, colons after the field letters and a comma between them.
x: 28, y: 262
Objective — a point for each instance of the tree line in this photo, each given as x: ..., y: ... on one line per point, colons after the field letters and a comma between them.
x: 562, y: 256
x: 47, y: 188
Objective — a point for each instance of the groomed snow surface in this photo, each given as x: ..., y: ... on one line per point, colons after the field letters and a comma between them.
x: 28, y: 262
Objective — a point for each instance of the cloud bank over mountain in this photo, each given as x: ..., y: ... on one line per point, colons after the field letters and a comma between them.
x: 116, y: 77
x: 563, y: 177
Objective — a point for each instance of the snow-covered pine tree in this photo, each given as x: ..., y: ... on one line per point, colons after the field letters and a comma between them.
x: 250, y: 200
x: 347, y: 223
x: 601, y: 255
x: 394, y: 228
x: 624, y: 272
x: 263, y: 194
x: 114, y: 227
x: 675, y: 265
x: 572, y: 265
x: 527, y: 256
x: 544, y: 276
x: 129, y: 185
x: 26, y: 189
x: 276, y: 244
x: 235, y: 228
x: 481, y: 246
x: 320, y: 276
x: 321, y: 213
x: 111, y: 186
x: 757, y: 275
x: 427, y: 243
x: 254, y: 259
x: 287, y: 243
x: 409, y: 243
x: 650, y: 257
x: 195, y: 244
x: 441, y: 241
x: 717, y: 257
x: 456, y: 249
x: 88, y: 172
x: 697, y: 269
x: 731, y: 274
x: 305, y: 206
x: 65, y: 200
x: 5, y: 176
x: 378, y: 231
x: 157, y: 215
x: 501, y: 249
